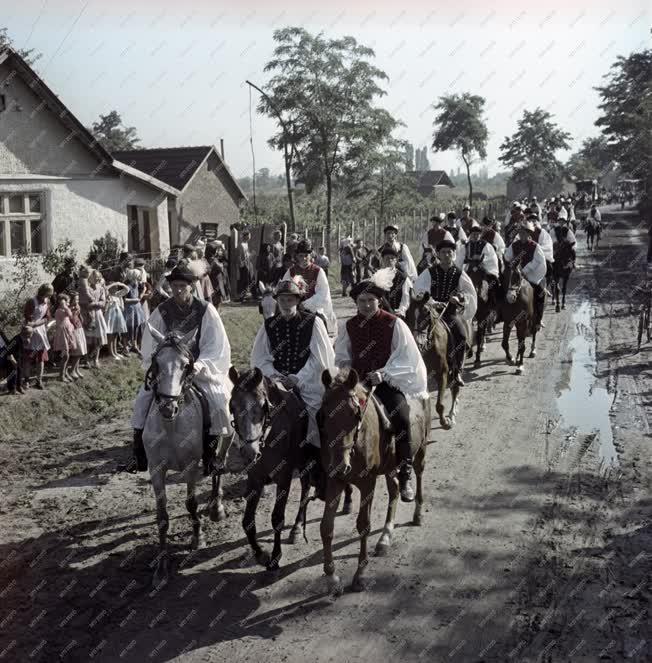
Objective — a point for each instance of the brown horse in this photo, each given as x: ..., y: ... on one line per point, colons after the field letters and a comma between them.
x: 356, y: 449
x: 431, y: 337
x: 485, y: 314
x: 271, y: 424
x: 561, y: 271
x: 517, y: 309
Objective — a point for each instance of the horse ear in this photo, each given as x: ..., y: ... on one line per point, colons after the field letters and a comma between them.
x: 352, y: 379
x: 257, y: 377
x: 187, y: 338
x: 233, y: 374
x: 326, y: 378
x: 156, y: 334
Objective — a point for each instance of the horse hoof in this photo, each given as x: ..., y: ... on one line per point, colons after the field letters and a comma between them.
x: 533, y: 353
x: 274, y: 564
x: 358, y: 584
x: 519, y: 370
x: 563, y: 305
x: 263, y: 558
x: 198, y: 542
x: 161, y: 575
x: 383, y: 545
x: 417, y: 519
x: 445, y: 423
x: 294, y: 534
x: 217, y: 513
x: 476, y: 362
x: 557, y: 309
x: 334, y: 585
x: 510, y: 361
x: 347, y: 507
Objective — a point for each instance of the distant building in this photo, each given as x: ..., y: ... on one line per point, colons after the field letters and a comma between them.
x: 427, y: 181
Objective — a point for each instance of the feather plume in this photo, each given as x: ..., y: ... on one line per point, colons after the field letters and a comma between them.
x: 198, y: 267
x: 383, y: 278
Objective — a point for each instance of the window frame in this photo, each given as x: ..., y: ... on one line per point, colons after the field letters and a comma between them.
x: 27, y: 217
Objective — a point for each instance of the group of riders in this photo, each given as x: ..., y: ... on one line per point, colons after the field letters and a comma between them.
x: 294, y: 345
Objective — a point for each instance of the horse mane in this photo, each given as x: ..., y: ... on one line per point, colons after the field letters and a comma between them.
x: 341, y: 379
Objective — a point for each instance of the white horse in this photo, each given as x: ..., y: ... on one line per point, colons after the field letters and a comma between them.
x: 173, y: 437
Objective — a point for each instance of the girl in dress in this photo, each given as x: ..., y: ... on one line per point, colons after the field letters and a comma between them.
x: 133, y: 308
x: 37, y: 316
x: 115, y: 319
x: 92, y: 297
x: 81, y: 347
x: 64, y: 337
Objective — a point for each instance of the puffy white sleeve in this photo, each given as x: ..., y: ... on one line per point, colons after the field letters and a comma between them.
x: 424, y: 240
x: 465, y: 286
x: 423, y: 282
x: 460, y: 255
x: 462, y: 237
x: 490, y: 260
x: 287, y: 276
x: 405, y: 298
x: 405, y: 369
x: 214, y: 347
x: 148, y: 344
x: 500, y: 245
x: 410, y: 267
x: 322, y: 356
x: 261, y: 354
x: 321, y: 300
x: 546, y: 244
x: 535, y: 270
x: 570, y: 237
x: 509, y: 254
x: 343, y: 356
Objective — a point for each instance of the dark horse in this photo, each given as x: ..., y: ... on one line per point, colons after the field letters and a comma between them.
x: 431, y: 336
x: 517, y: 309
x: 356, y: 449
x: 272, y: 425
x: 561, y: 271
x: 593, y: 231
x: 486, y: 312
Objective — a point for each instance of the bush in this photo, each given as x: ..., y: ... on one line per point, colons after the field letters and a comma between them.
x: 104, y: 253
x: 57, y: 259
x: 23, y: 282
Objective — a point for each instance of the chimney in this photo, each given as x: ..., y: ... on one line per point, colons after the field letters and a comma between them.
x: 222, y: 148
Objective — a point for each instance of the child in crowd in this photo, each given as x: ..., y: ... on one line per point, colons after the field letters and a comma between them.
x: 95, y: 295
x: 11, y: 358
x: 134, y: 316
x: 322, y: 259
x: 115, y: 319
x: 64, y: 337
x: 37, y: 316
x: 81, y: 348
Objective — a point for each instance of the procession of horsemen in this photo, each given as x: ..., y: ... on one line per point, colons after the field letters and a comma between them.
x: 340, y: 402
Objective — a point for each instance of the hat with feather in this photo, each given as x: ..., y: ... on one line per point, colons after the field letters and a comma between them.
x: 293, y: 286
x: 379, y: 284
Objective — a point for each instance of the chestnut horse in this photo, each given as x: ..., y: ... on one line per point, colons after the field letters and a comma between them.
x: 485, y: 314
x: 356, y: 449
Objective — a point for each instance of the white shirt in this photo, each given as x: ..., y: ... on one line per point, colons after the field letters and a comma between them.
x: 545, y: 242
x: 535, y: 270
x: 489, y: 262
x: 404, y: 369
x: 465, y: 286
x: 406, y: 261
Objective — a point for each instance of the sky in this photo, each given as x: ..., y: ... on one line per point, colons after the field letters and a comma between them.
x: 176, y: 70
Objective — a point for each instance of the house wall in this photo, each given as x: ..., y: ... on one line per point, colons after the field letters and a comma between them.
x: 208, y: 198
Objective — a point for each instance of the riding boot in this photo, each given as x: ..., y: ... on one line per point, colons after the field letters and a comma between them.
x: 139, y: 462
x: 405, y: 480
x: 209, y: 458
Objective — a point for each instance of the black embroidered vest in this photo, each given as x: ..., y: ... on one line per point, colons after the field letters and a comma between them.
x: 396, y: 291
x: 474, y: 250
x: 184, y: 320
x: 443, y: 283
x: 289, y: 340
x: 371, y: 341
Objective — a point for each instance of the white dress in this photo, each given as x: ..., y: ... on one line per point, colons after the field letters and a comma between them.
x: 404, y: 370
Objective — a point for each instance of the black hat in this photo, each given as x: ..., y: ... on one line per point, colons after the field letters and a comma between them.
x: 389, y: 251
x: 181, y: 273
x: 390, y: 227
x: 367, y: 287
x: 291, y: 287
x: 446, y: 244
x: 451, y: 215
x: 304, y: 246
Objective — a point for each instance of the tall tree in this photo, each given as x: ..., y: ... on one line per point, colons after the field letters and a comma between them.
x: 626, y: 118
x: 459, y: 125
x: 592, y: 161
x: 530, y: 152
x: 30, y: 55
x: 113, y: 135
x: 409, y: 156
x: 328, y: 89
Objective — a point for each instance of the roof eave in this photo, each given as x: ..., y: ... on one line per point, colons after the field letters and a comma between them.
x: 144, y: 177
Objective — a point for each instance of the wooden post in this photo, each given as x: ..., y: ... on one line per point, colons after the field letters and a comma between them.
x: 338, y: 236
x: 323, y: 238
x: 364, y: 232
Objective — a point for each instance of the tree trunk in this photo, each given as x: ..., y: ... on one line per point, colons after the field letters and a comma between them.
x: 329, y: 205
x: 468, y: 177
x: 288, y: 181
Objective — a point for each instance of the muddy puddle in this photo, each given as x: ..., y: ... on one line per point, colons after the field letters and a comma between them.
x: 583, y: 405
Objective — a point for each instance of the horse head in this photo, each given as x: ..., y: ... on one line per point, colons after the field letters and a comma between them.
x: 171, y: 370
x: 512, y: 281
x: 340, y: 419
x: 419, y: 319
x: 251, y: 410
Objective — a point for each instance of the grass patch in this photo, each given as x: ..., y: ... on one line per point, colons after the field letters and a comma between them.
x: 242, y: 322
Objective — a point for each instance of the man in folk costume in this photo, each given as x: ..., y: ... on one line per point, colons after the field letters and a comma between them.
x: 246, y: 268
x: 436, y: 234
x: 451, y: 289
x: 492, y: 236
x: 480, y: 254
x: 398, y: 295
x: 317, y: 297
x: 405, y: 260
x: 543, y: 239
x: 277, y: 251
x: 459, y: 237
x: 513, y: 223
x: 466, y: 220
x: 536, y: 207
x: 293, y: 348
x: 527, y: 254
x: 381, y: 348
x: 183, y: 313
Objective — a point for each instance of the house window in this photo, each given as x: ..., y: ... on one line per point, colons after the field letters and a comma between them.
x: 22, y: 223
x: 139, y: 230
x: 209, y: 230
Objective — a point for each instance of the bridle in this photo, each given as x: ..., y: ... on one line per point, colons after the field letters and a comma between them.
x: 188, y: 373
x: 267, y: 422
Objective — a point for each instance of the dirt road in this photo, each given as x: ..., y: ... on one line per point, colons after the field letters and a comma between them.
x: 535, y: 544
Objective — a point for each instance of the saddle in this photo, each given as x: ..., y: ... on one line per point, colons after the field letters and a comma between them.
x: 206, y: 416
x: 383, y: 419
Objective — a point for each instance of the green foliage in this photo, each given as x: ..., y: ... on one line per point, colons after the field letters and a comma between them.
x: 592, y: 161
x: 459, y: 125
x: 531, y: 150
x: 60, y: 258
x: 23, y: 281
x: 113, y: 135
x: 626, y: 118
x: 30, y: 55
x: 104, y: 252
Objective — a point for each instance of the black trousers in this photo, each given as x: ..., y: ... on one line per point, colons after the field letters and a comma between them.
x: 398, y: 412
x: 539, y: 302
x: 456, y: 351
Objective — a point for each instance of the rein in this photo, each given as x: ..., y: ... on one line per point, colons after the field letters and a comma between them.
x: 188, y: 373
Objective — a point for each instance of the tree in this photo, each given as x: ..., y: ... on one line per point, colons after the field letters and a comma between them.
x: 113, y: 135
x: 326, y: 90
x: 592, y: 161
x: 460, y: 126
x: 409, y: 156
x: 530, y: 152
x: 30, y: 55
x: 626, y: 118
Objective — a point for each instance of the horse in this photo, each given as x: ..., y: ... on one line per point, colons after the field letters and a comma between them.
x: 486, y: 312
x: 272, y: 424
x: 173, y: 437
x: 356, y: 449
x: 590, y: 227
x: 517, y: 310
x: 561, y: 271
x: 431, y: 337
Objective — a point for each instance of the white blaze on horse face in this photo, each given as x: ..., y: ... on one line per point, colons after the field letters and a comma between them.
x: 171, y: 371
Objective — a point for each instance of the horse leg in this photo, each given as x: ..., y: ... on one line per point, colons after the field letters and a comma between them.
x: 533, y: 347
x: 163, y: 524
x: 452, y: 414
x: 385, y: 541
x: 278, y: 520
x: 479, y: 341
x: 563, y: 291
x: 364, y: 527
x: 198, y: 540
x: 444, y: 421
x: 254, y: 489
x: 521, y: 332
x: 334, y: 489
x: 505, y: 343
x: 303, y: 505
x: 419, y: 465
x: 216, y: 510
x: 347, y: 507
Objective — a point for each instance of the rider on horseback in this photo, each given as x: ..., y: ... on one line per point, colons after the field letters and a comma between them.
x: 405, y: 260
x: 183, y: 313
x: 451, y: 290
x: 492, y: 236
x: 459, y: 237
x: 513, y: 223
x: 292, y: 347
x: 398, y: 296
x: 527, y: 254
x: 436, y: 234
x: 543, y: 239
x: 381, y: 348
x: 480, y: 254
